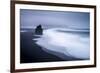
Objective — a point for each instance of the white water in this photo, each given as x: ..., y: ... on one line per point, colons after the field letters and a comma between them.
x: 68, y: 44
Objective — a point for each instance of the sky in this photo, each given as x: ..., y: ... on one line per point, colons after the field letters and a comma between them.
x: 30, y: 18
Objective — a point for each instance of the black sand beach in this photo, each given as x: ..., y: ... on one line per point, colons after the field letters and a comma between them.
x: 31, y: 52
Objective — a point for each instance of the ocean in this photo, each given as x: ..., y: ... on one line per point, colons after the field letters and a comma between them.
x: 56, y: 44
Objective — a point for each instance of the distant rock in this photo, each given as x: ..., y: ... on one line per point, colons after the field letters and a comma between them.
x: 39, y: 30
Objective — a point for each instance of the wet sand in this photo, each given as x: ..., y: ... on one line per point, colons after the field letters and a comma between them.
x: 32, y: 53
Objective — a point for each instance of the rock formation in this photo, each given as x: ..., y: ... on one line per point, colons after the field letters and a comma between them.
x: 39, y: 30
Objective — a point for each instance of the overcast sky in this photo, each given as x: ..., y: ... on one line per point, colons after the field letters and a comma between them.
x: 48, y: 19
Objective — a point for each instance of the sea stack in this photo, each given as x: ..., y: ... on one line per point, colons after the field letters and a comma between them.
x: 39, y: 30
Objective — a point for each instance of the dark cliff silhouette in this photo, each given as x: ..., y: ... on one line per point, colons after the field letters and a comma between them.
x: 39, y: 30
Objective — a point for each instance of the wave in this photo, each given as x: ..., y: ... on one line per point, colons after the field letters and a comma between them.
x: 73, y: 45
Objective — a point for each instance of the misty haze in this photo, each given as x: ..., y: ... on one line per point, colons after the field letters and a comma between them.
x: 49, y: 36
